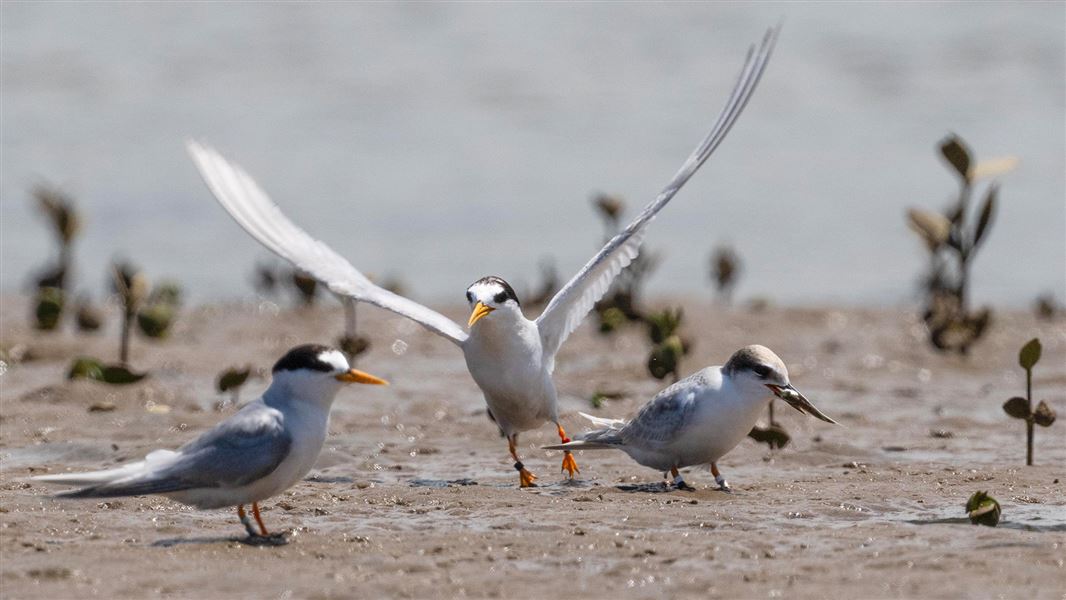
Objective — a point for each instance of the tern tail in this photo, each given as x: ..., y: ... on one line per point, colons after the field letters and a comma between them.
x: 581, y: 445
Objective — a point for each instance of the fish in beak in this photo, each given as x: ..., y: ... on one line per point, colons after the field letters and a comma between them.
x: 356, y: 376
x: 480, y: 310
x: 797, y: 401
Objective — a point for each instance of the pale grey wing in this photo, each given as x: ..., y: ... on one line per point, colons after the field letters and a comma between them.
x: 253, y: 210
x: 573, y: 302
x: 664, y: 418
x: 238, y: 451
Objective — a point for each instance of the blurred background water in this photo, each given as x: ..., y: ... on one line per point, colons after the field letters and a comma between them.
x: 440, y: 143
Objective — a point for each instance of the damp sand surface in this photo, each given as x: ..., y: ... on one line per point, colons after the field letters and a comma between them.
x: 414, y: 494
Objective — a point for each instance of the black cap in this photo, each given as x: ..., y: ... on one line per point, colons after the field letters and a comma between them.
x: 304, y: 357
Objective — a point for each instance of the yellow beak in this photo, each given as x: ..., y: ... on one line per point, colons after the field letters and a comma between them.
x: 480, y: 310
x: 354, y: 376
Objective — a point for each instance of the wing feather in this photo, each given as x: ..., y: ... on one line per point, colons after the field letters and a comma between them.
x: 253, y: 210
x: 573, y: 302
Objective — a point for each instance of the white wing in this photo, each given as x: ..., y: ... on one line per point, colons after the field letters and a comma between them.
x: 249, y: 205
x: 570, y: 305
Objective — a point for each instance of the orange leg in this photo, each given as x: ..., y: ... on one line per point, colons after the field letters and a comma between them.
x: 525, y: 478
x: 246, y: 521
x: 679, y: 482
x: 722, y: 483
x: 258, y: 519
x: 569, y: 464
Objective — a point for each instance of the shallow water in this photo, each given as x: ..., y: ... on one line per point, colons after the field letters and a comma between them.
x: 442, y: 143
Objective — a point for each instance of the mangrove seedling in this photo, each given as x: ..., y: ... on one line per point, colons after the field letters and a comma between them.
x: 132, y: 287
x: 626, y: 292
x: 1022, y: 408
x: 600, y: 398
x: 668, y: 347
x: 159, y: 311
x: 49, y: 308
x: 231, y: 381
x: 265, y: 279
x: 952, y: 239
x: 305, y: 286
x: 773, y: 435
x: 66, y: 223
x: 725, y: 270
x: 89, y: 318
x: 88, y: 367
x: 983, y: 509
x: 351, y: 343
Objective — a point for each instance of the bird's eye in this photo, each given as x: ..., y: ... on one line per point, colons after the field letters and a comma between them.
x: 470, y: 297
x: 761, y: 370
x: 500, y: 298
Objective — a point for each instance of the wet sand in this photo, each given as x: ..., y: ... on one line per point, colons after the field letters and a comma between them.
x: 414, y: 494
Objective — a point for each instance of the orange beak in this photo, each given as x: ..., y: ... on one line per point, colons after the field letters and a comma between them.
x: 355, y: 376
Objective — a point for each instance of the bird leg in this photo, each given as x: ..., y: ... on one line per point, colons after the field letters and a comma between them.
x: 569, y: 464
x: 525, y: 478
x: 259, y: 519
x: 722, y: 483
x: 260, y: 538
x: 246, y: 521
x: 679, y: 483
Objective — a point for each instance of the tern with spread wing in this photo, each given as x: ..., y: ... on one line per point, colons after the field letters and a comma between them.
x: 510, y: 357
x: 699, y: 419
x: 258, y: 452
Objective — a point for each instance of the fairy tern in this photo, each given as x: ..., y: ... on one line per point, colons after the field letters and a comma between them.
x: 510, y: 357
x: 258, y: 452
x: 699, y: 419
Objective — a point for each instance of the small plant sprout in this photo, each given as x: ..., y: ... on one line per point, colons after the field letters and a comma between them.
x: 306, y: 287
x: 132, y: 287
x: 599, y: 398
x: 983, y: 509
x: 265, y: 279
x: 725, y: 270
x: 66, y: 223
x: 231, y: 381
x: 87, y: 367
x: 351, y: 343
x: 668, y: 347
x: 1022, y: 408
x: 952, y: 239
x: 89, y: 318
x: 622, y: 300
x: 773, y: 435
x: 49, y: 308
x: 157, y: 315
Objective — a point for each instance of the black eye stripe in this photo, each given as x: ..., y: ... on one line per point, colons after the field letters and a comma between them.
x: 500, y: 298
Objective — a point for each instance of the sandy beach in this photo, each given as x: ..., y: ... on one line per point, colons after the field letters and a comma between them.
x: 414, y: 495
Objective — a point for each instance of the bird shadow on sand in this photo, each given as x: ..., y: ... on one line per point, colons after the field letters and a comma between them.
x: 277, y: 539
x: 1057, y: 527
x: 660, y: 487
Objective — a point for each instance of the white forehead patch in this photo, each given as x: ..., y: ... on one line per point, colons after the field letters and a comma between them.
x: 485, y: 291
x: 335, y: 359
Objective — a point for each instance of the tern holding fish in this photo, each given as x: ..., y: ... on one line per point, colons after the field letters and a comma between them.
x: 699, y: 419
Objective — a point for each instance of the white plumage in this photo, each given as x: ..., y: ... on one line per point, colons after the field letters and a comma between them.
x: 510, y: 357
x: 267, y: 446
x: 699, y: 419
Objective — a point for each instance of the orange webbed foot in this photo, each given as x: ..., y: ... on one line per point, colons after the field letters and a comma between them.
x: 569, y: 464
x: 526, y: 478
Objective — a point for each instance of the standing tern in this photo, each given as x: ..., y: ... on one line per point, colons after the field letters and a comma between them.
x: 510, y: 357
x: 260, y: 451
x: 699, y: 419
